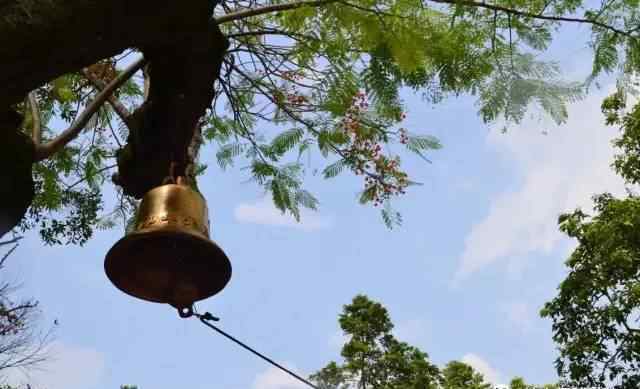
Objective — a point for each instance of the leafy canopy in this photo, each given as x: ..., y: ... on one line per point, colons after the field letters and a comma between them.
x: 325, y: 77
x: 375, y: 359
x: 595, y: 315
x: 458, y: 375
x: 372, y: 358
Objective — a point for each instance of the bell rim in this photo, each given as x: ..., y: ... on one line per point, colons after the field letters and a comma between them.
x: 165, y: 232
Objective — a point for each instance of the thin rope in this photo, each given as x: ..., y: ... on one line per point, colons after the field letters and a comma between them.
x: 206, y: 317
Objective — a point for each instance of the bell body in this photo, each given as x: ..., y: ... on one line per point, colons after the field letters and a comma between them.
x: 168, y: 256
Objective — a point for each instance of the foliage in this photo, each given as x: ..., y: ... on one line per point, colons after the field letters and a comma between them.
x: 627, y: 161
x: 325, y: 77
x: 519, y: 383
x: 375, y: 359
x: 457, y: 375
x: 595, y: 315
x: 68, y: 204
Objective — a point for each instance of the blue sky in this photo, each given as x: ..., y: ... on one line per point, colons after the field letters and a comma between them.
x: 463, y: 278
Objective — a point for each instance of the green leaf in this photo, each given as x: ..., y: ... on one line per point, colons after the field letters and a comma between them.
x: 306, y: 199
x: 262, y: 170
x: 334, y: 169
x: 227, y: 153
x: 368, y: 195
x: 419, y: 143
x: 390, y: 217
x: 286, y: 141
x: 340, y: 88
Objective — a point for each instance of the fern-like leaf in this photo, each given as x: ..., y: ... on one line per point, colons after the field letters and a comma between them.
x: 334, y: 169
x: 227, y: 153
x: 286, y: 141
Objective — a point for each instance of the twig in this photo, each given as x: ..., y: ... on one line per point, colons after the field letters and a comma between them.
x: 11, y: 241
x: 83, y: 179
x: 512, y: 11
x: 7, y: 254
x: 47, y: 150
x: 113, y: 133
x: 246, y: 13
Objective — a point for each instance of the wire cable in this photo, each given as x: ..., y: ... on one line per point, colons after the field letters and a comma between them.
x: 207, y: 317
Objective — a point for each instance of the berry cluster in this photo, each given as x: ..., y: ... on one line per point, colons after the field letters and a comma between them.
x: 10, y: 322
x: 404, y: 138
x: 383, y: 177
x: 289, y: 93
x: 104, y: 70
x: 388, y: 181
x: 351, y: 122
x: 296, y: 99
x: 291, y: 75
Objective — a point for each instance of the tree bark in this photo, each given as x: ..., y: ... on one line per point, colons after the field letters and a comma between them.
x: 16, y: 183
x: 42, y: 40
x: 162, y: 130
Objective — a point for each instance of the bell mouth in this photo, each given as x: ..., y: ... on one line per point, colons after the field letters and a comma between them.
x: 168, y: 266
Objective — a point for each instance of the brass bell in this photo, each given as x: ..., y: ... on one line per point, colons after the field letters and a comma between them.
x: 168, y: 256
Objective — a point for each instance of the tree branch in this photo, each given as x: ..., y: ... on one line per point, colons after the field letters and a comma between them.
x: 83, y: 179
x: 470, y: 3
x: 36, y: 133
x: 115, y: 103
x: 147, y: 81
x: 246, y: 13
x: 47, y: 150
x: 11, y: 241
x: 7, y: 254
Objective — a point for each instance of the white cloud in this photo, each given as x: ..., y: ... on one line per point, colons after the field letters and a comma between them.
x: 518, y: 315
x: 265, y: 213
x: 68, y: 367
x: 412, y: 331
x: 274, y: 378
x: 338, y: 339
x: 560, y: 172
x: 490, y: 374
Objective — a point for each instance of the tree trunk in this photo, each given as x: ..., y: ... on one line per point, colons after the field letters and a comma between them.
x: 41, y: 40
x: 16, y: 183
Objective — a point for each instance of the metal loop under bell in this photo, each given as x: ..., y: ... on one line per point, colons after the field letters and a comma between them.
x: 185, y: 312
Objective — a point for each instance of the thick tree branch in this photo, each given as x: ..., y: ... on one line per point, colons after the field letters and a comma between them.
x: 115, y: 103
x: 147, y: 81
x: 36, y: 132
x: 49, y: 32
x: 180, y: 91
x: 176, y: 36
x: 47, y: 150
